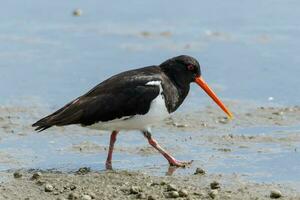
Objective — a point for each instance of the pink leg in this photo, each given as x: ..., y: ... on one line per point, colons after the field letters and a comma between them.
x: 113, y: 138
x: 172, y: 161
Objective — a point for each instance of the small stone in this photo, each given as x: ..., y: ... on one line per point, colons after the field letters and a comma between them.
x: 36, y: 176
x: 215, y: 185
x: 173, y: 194
x: 134, y: 190
x: 77, y: 12
x: 180, y: 125
x: 183, y: 193
x: 171, y: 187
x: 27, y: 198
x: 224, y: 149
x: 93, y: 195
x: 73, y: 196
x: 199, y: 171
x: 248, y: 114
x: 83, y: 171
x: 213, y: 193
x: 18, y: 174
x: 141, y: 196
x: 145, y: 34
x: 86, y: 197
x: 163, y: 183
x: 275, y: 194
x: 154, y: 184
x: 150, y: 197
x: 72, y: 187
x: 223, y: 120
x: 48, y: 187
x: 278, y: 113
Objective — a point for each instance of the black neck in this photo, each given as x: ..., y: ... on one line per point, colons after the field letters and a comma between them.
x: 177, y: 88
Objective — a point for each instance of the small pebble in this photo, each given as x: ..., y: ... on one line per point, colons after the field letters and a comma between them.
x: 27, y: 198
x: 154, y: 184
x: 83, y: 170
x: 183, y: 193
x: 134, y: 190
x: 163, y: 183
x: 150, y: 197
x: 180, y: 125
x: 199, y: 171
x: 171, y: 187
x: 213, y: 193
x: 91, y: 194
x: 141, y: 196
x: 215, y: 185
x: 275, y: 194
x: 18, y: 175
x: 48, y: 187
x: 86, y: 197
x: 224, y: 149
x: 72, y: 187
x: 248, y: 114
x: 278, y: 113
x: 36, y: 176
x: 223, y: 120
x: 73, y: 196
x: 173, y: 194
x: 77, y: 12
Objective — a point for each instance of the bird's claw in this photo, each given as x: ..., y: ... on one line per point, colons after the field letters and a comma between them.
x: 108, y: 166
x: 183, y: 164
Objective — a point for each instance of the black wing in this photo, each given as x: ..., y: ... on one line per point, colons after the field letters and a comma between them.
x: 125, y: 94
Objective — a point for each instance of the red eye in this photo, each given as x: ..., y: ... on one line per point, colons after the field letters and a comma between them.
x: 190, y: 67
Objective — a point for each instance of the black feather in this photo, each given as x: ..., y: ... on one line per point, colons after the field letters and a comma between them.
x: 125, y: 94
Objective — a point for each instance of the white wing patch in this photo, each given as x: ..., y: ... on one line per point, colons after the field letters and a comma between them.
x: 158, y: 83
x: 154, y: 83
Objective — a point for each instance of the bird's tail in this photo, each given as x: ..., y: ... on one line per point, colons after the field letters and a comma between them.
x: 64, y: 116
x: 41, y: 125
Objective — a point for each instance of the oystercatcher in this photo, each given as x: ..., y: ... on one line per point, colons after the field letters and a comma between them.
x: 134, y: 100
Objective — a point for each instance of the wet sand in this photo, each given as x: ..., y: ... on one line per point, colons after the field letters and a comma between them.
x: 135, y: 185
x: 234, y: 153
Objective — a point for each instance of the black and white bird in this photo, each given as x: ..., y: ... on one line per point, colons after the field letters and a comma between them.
x: 134, y: 100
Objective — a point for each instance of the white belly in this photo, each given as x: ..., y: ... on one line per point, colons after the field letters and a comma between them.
x: 157, y: 112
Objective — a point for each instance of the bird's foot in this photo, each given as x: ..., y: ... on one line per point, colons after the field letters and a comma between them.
x: 108, y: 166
x: 177, y: 163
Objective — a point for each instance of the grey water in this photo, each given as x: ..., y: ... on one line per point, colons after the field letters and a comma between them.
x: 248, y: 50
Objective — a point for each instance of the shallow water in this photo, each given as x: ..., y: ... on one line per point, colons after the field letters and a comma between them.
x: 248, y: 51
x: 258, y: 153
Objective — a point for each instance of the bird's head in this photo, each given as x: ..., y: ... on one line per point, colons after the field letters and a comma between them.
x: 184, y: 70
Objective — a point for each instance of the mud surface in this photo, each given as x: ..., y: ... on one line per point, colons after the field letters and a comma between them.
x: 135, y: 185
x: 250, y: 156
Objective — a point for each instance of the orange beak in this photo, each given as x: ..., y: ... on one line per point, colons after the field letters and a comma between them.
x: 211, y: 93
